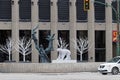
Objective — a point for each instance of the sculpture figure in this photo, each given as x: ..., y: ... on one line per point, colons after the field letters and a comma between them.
x: 64, y: 54
x: 43, y: 52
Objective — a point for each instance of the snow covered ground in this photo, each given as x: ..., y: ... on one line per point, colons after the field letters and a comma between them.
x: 58, y: 76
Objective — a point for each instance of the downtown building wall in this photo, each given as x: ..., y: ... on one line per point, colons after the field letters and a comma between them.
x: 64, y: 18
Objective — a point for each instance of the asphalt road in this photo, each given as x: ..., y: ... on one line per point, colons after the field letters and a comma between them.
x: 58, y: 76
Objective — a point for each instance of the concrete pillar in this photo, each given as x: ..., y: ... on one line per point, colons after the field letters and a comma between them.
x: 108, y: 31
x: 35, y: 19
x: 15, y: 28
x: 54, y: 30
x: 91, y: 33
x: 73, y: 28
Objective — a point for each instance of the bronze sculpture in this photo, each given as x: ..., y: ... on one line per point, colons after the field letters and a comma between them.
x: 43, y: 52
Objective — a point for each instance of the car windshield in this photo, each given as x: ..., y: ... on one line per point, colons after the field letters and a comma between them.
x: 114, y: 60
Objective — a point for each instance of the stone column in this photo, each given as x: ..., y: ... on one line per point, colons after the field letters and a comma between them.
x: 54, y: 30
x: 35, y: 54
x: 91, y: 33
x: 15, y: 28
x: 108, y: 31
x: 73, y: 29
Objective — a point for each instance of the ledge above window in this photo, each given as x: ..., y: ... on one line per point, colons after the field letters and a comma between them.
x: 25, y: 20
x: 82, y: 20
x: 44, y: 20
x: 5, y: 20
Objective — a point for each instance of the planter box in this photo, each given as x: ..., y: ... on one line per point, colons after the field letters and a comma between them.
x: 64, y: 61
x: 9, y: 61
x: 48, y: 67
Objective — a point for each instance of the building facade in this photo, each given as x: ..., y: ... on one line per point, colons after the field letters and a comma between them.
x: 64, y: 18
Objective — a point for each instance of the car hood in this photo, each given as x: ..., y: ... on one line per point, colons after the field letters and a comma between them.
x: 108, y: 63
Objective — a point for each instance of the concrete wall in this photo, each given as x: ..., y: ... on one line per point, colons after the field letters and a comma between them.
x: 48, y: 67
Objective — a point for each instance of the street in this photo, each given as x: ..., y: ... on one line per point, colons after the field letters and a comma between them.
x: 58, y: 76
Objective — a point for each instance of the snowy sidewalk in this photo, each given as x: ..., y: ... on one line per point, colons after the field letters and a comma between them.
x: 58, y: 76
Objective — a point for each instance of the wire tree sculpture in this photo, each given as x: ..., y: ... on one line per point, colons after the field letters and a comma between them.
x: 81, y: 45
x: 8, y: 47
x: 62, y: 43
x: 23, y: 46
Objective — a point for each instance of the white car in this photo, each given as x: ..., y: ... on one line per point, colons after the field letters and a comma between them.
x: 112, y: 66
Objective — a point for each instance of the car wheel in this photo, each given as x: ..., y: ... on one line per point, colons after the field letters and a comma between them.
x: 115, y: 71
x: 104, y: 73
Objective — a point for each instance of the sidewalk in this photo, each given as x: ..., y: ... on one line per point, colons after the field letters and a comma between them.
x: 58, y: 76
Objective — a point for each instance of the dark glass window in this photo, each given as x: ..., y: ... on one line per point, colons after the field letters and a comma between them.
x: 27, y: 35
x: 99, y: 46
x: 82, y: 34
x: 5, y: 10
x: 42, y: 41
x: 63, y: 10
x: 44, y: 10
x: 81, y: 14
x: 99, y: 11
x: 64, y: 34
x: 7, y: 34
x: 114, y: 47
x: 25, y: 10
x: 114, y: 15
